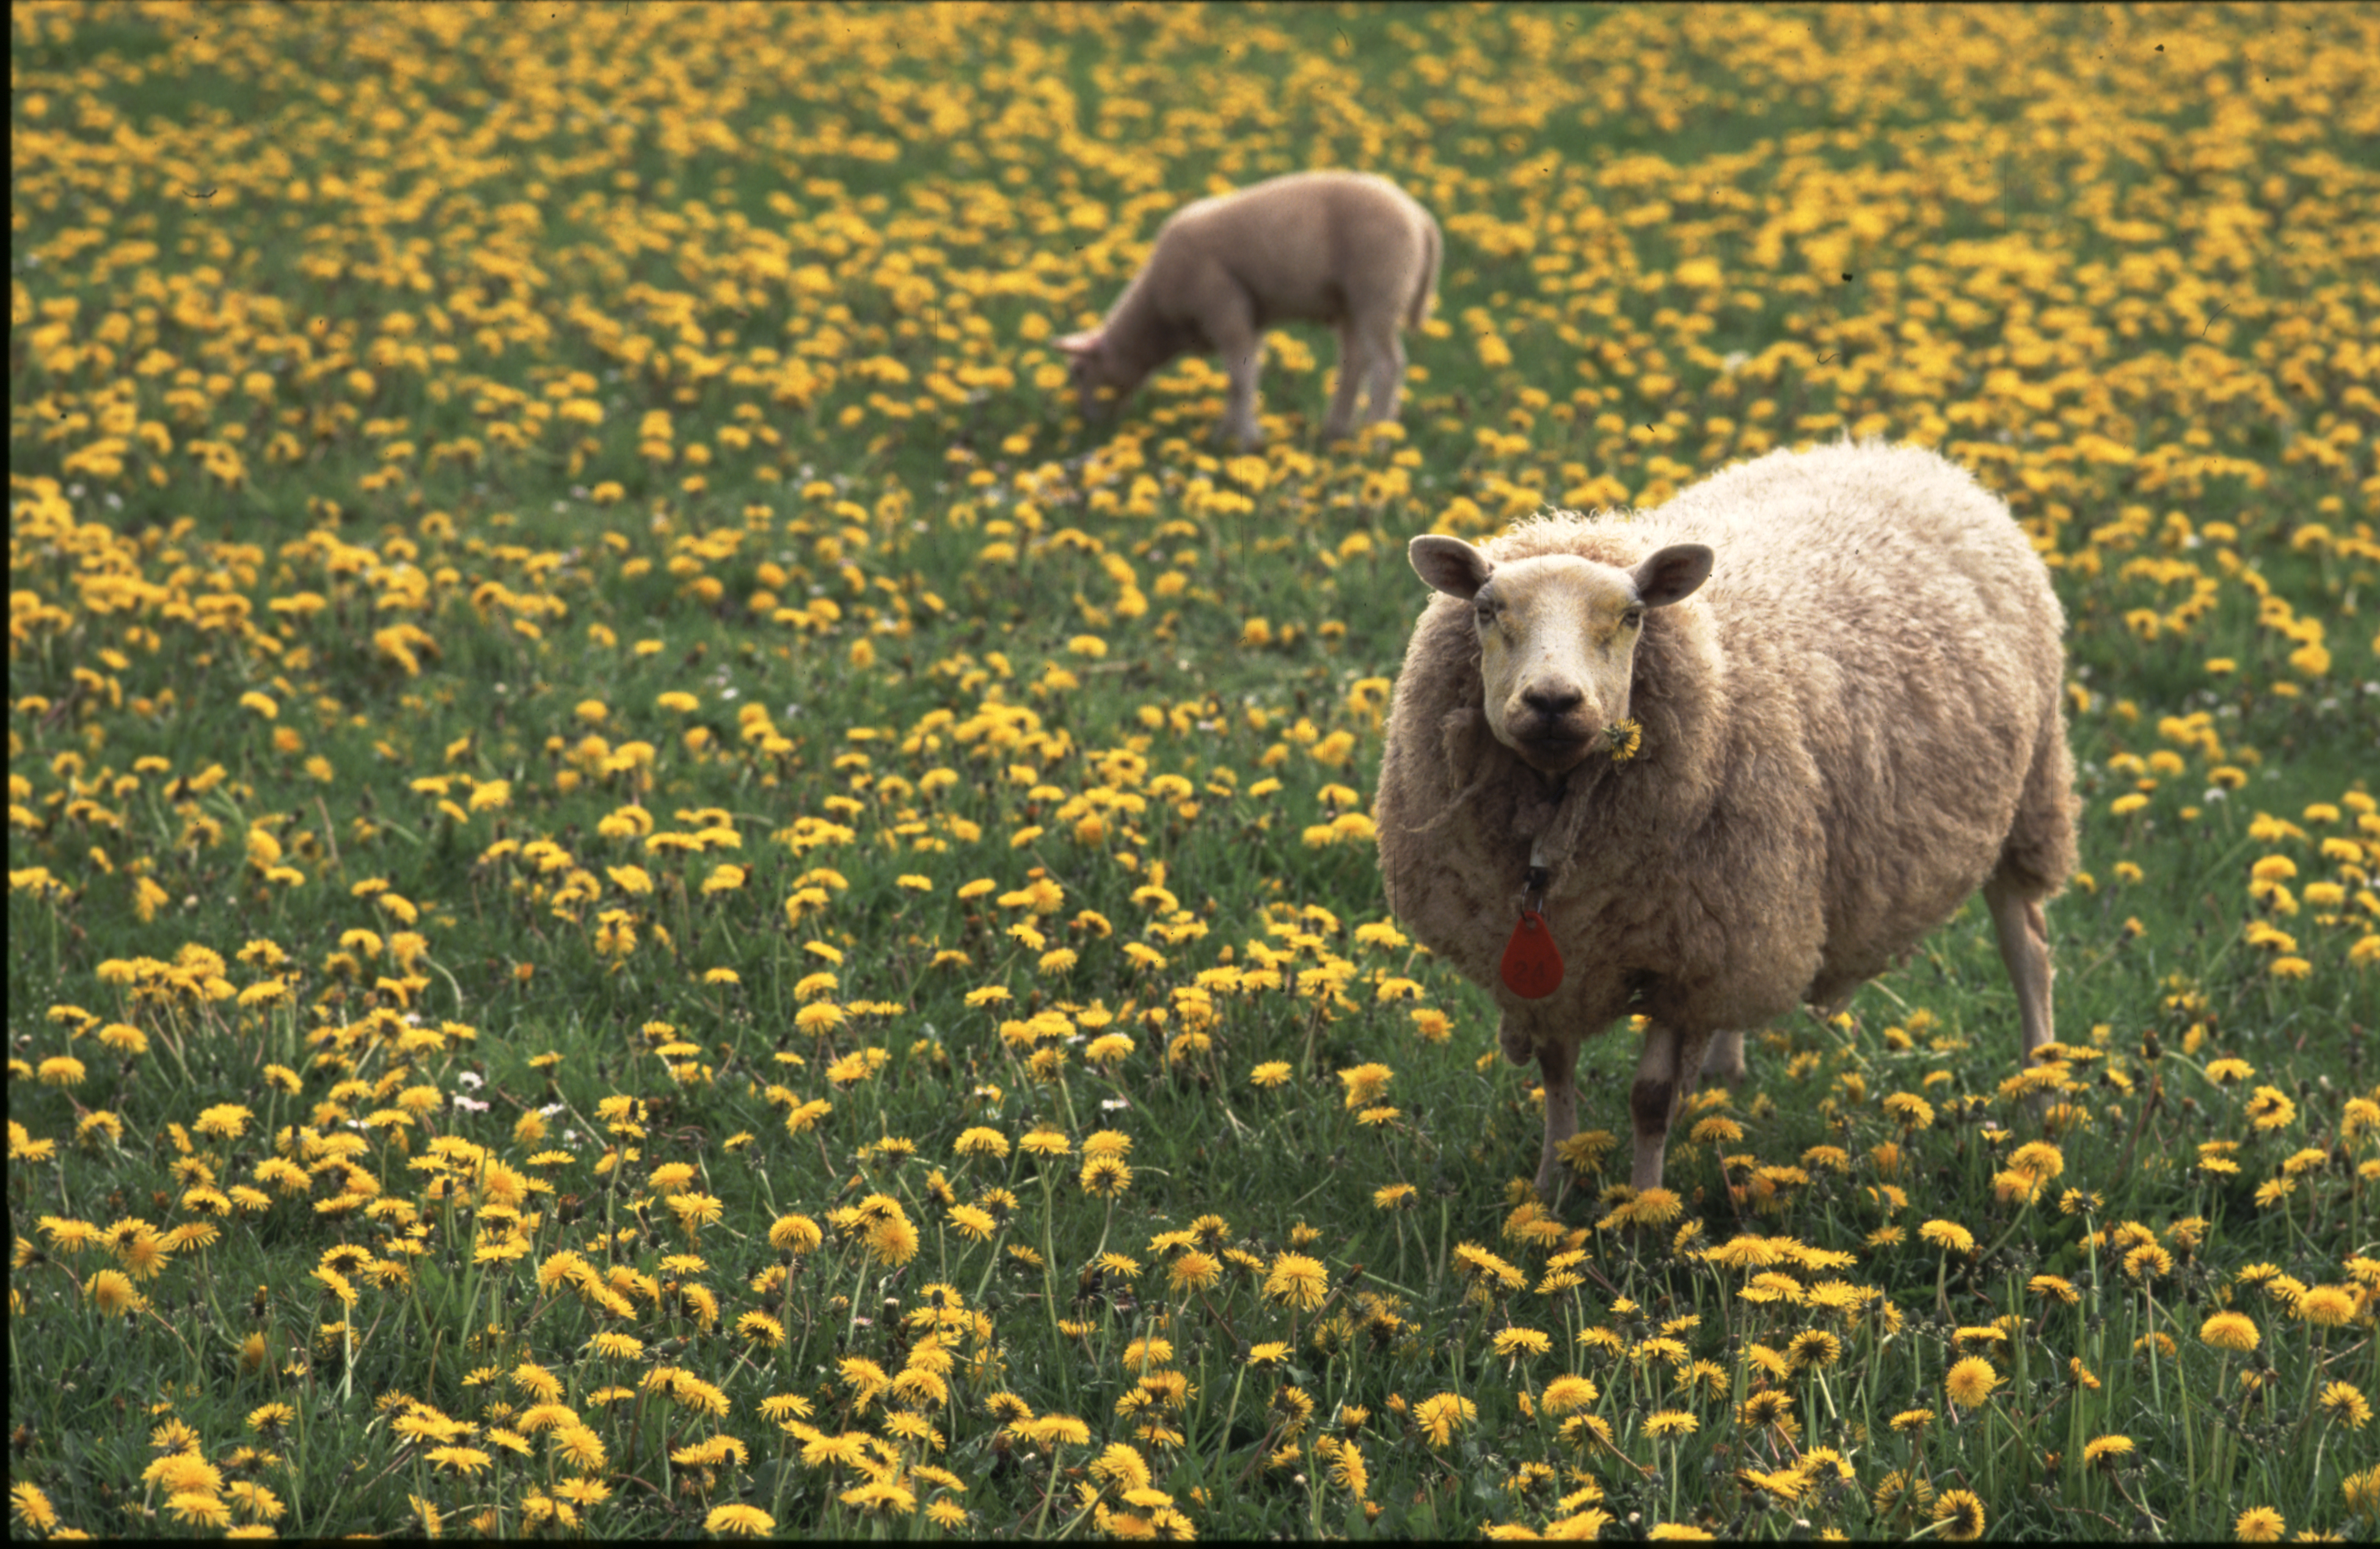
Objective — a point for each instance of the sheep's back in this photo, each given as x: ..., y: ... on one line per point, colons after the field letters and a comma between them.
x: 1900, y: 608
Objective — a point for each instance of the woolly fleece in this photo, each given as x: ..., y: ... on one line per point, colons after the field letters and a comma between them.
x: 1850, y: 727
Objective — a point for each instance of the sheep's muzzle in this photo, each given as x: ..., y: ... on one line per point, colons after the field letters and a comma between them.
x: 1553, y: 727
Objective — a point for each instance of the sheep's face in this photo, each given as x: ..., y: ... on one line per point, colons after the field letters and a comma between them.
x: 1098, y: 380
x: 1557, y: 637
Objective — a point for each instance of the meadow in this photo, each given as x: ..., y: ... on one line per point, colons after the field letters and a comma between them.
x: 650, y: 895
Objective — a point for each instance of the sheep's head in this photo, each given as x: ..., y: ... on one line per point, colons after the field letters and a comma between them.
x: 1557, y: 637
x: 1099, y: 380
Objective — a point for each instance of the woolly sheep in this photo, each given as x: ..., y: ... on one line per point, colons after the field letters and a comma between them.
x: 1854, y: 726
x: 1341, y: 248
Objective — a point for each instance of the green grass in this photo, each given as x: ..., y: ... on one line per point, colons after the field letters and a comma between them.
x: 2124, y: 282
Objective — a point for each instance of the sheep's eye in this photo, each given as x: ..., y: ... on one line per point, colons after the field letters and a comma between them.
x: 1632, y: 618
x: 1486, y: 613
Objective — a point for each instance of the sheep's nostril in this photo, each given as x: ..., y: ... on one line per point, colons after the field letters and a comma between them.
x: 1551, y: 701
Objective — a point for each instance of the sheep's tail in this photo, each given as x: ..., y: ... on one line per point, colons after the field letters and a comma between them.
x: 1418, y: 313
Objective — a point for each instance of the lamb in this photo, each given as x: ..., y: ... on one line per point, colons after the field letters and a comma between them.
x: 1342, y: 248
x: 1854, y: 726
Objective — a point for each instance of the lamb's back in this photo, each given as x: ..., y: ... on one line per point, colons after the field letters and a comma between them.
x: 1296, y: 243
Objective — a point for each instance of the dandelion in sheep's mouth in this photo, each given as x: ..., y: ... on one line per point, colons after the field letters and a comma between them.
x: 1622, y: 738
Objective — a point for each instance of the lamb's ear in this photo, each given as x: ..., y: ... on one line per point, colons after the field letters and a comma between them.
x: 1673, y: 573
x: 1079, y: 344
x: 1449, y: 565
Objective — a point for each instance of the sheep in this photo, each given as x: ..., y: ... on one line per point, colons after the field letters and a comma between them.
x: 1849, y: 729
x: 1342, y: 248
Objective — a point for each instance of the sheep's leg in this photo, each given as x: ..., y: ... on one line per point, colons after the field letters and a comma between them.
x: 1353, y: 363
x: 1558, y: 1059
x: 2023, y: 935
x: 1663, y: 1073
x: 1723, y: 1060
x: 1518, y: 1041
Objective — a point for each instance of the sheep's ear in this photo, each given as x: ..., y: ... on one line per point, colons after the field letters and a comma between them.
x: 1079, y: 344
x: 1449, y: 565
x: 1669, y: 573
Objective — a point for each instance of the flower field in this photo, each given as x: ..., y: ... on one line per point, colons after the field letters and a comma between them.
x: 648, y: 894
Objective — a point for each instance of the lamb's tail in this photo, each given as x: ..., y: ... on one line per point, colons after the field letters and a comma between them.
x: 1417, y: 312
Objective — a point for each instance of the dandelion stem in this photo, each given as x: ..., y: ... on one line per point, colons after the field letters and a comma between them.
x: 1230, y: 1413
x: 1048, y: 1491
x: 857, y: 1286
x: 1438, y: 1270
x: 2156, y: 1378
x: 991, y: 1264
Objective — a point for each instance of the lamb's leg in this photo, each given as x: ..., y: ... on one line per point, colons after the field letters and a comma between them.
x: 2023, y: 935
x: 1388, y: 378
x: 1558, y: 1059
x: 1671, y: 1058
x: 1241, y: 344
x: 1353, y: 364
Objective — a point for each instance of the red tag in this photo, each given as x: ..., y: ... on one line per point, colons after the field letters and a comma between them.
x: 1532, y: 968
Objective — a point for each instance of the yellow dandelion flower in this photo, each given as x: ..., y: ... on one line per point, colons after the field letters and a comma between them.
x: 1442, y: 1415
x: 1511, y: 1343
x: 1970, y: 1381
x: 199, y: 1509
x: 2104, y: 1451
x: 2229, y: 1331
x: 2327, y: 1306
x: 1960, y: 1513
x: 1105, y: 1176
x: 1195, y: 1271
x: 744, y: 1521
x: 31, y: 1507
x: 1566, y: 1394
x: 1298, y: 1282
x: 111, y: 1291
x: 2345, y: 1404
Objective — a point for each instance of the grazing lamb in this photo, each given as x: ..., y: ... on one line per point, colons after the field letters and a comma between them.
x: 1341, y: 248
x: 1854, y: 726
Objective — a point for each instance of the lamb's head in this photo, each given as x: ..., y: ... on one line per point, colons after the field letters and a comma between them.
x: 1558, y: 637
x: 1096, y: 374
